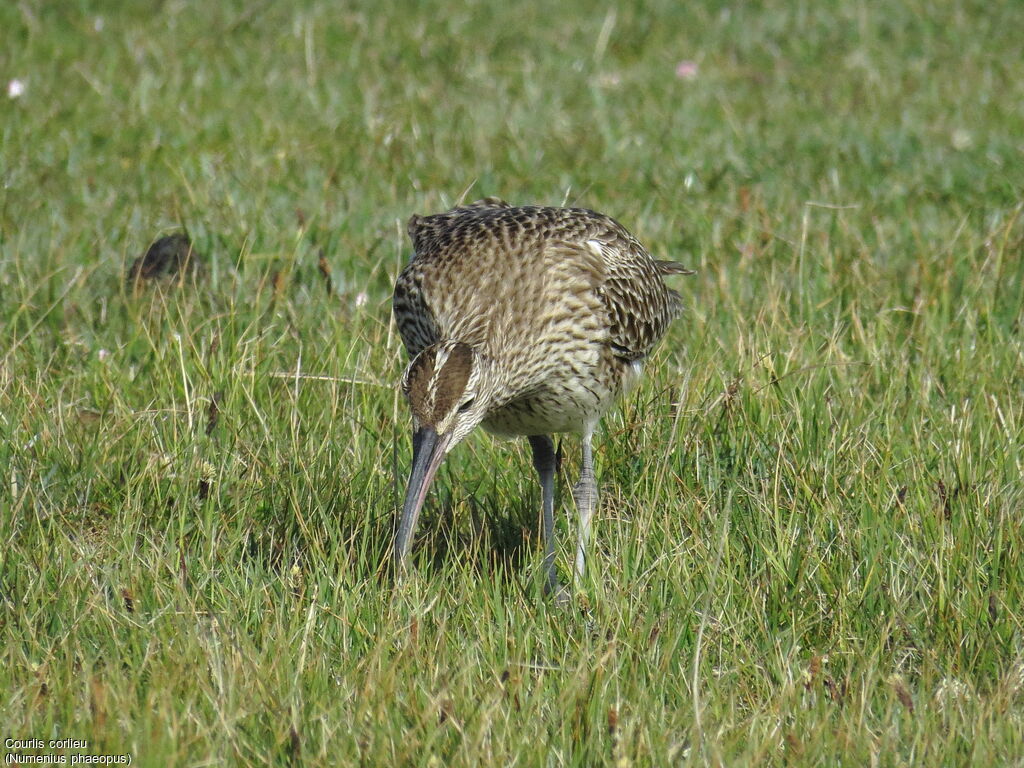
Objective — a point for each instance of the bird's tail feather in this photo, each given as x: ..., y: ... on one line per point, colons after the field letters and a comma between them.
x: 673, y: 268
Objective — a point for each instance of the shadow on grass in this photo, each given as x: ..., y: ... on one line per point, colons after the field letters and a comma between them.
x: 495, y: 542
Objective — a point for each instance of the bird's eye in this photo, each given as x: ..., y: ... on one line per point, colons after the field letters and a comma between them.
x: 467, y: 405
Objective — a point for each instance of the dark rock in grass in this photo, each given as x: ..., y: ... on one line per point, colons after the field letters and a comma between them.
x: 169, y: 257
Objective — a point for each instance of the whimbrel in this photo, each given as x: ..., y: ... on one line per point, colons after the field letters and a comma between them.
x: 529, y: 321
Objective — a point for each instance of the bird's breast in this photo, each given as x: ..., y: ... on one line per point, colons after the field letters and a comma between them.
x: 571, y: 396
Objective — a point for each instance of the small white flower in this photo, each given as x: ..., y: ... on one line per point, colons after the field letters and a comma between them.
x: 15, y: 88
x: 961, y: 139
x: 103, y: 355
x: 362, y: 298
x: 97, y: 24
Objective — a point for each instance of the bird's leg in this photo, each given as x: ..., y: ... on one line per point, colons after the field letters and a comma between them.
x: 544, y: 462
x: 585, y: 494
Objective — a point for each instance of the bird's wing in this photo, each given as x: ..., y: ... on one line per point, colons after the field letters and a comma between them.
x: 438, y: 240
x: 415, y: 321
x: 640, y: 306
x: 432, y: 235
x: 486, y: 203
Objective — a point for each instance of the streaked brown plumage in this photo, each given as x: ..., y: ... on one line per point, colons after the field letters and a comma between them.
x: 529, y: 321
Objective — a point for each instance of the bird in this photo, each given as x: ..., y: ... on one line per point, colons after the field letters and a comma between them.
x: 529, y: 321
x: 172, y: 256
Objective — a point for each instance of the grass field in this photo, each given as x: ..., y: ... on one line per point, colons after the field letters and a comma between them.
x: 809, y: 550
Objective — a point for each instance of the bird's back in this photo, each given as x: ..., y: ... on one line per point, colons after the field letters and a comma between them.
x: 508, y: 279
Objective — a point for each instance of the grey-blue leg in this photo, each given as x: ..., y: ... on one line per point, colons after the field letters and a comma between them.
x: 545, y: 464
x: 585, y: 494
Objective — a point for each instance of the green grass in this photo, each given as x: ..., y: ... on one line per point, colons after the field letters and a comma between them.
x: 809, y: 550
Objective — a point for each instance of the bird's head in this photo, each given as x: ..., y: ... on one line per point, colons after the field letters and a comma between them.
x: 447, y: 386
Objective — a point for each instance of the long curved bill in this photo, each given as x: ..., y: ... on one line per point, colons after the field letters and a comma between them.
x: 428, y: 451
